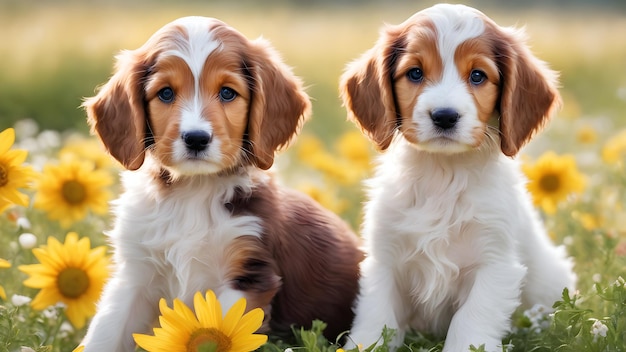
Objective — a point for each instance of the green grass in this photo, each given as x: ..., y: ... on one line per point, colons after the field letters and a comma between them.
x: 54, y: 55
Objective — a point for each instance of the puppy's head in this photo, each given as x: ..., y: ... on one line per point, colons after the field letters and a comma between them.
x: 449, y: 78
x: 201, y: 98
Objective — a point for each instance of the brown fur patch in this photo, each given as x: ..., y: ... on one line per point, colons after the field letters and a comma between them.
x: 315, y: 253
x: 476, y: 54
x: 116, y: 114
x: 253, y: 271
x: 367, y: 87
x: 278, y: 104
x: 421, y: 52
x: 529, y: 92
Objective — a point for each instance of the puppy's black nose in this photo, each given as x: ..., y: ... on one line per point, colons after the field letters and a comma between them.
x: 444, y: 118
x: 196, y: 140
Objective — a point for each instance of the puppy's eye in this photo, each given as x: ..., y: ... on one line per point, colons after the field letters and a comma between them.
x: 415, y: 75
x: 227, y: 94
x: 166, y: 95
x: 477, y: 77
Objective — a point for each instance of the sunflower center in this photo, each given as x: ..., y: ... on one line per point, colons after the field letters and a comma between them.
x: 550, y: 182
x: 4, y: 175
x: 208, y: 339
x: 73, y: 192
x: 72, y: 282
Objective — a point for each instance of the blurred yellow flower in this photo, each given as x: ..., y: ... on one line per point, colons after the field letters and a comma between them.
x: 69, y: 190
x: 311, y: 152
x: 336, y: 169
x: 614, y: 149
x: 72, y: 273
x: 586, y: 135
x: 588, y: 221
x: 3, y: 265
x: 182, y: 330
x: 325, y: 197
x: 86, y: 149
x: 308, y: 145
x: 552, y: 178
x: 13, y: 175
x: 354, y: 147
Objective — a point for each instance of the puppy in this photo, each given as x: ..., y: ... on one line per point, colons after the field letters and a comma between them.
x: 195, y: 115
x: 453, y: 243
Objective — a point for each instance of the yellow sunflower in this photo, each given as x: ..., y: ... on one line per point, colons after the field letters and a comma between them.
x: 71, y: 273
x: 552, y: 179
x: 13, y: 175
x: 3, y: 265
x: 183, y: 331
x: 69, y: 190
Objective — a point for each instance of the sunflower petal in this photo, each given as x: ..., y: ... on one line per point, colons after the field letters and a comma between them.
x: 76, y: 316
x: 232, y: 317
x: 13, y: 196
x: 215, y: 310
x: 203, y: 311
x: 16, y: 157
x: 249, y: 343
x: 45, y: 298
x: 7, y: 138
x: 249, y: 323
x: 41, y: 281
x: 180, y: 318
x: 148, y: 343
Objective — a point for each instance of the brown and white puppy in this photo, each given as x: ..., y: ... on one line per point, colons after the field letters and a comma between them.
x: 453, y: 243
x: 196, y: 115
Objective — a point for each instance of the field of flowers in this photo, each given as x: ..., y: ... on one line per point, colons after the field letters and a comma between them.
x: 56, y: 181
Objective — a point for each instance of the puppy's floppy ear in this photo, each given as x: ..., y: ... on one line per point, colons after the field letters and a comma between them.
x: 278, y: 107
x: 367, y: 88
x: 529, y: 92
x: 117, y: 113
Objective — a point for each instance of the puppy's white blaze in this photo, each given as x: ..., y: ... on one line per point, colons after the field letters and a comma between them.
x: 198, y: 44
x: 195, y: 48
x: 454, y: 25
x: 192, y: 120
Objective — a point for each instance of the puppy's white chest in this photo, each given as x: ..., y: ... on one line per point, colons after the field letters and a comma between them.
x: 180, y: 240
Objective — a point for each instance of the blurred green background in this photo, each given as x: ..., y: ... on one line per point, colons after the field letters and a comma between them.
x: 54, y: 53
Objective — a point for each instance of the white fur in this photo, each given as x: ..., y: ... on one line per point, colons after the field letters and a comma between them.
x: 454, y: 244
x: 452, y: 239
x: 152, y: 259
